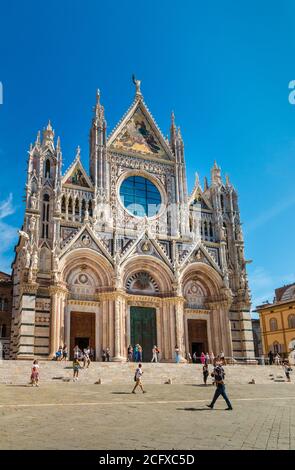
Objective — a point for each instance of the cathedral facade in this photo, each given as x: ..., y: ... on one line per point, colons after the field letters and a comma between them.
x: 124, y: 254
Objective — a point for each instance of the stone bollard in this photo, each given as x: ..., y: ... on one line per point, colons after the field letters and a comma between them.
x: 168, y: 382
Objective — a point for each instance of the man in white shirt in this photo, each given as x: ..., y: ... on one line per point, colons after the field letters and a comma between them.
x: 137, y: 379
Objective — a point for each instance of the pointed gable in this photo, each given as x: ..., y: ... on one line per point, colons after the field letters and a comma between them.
x: 86, y: 238
x: 138, y: 134
x: 145, y: 245
x: 77, y: 176
x: 199, y: 253
x: 199, y: 198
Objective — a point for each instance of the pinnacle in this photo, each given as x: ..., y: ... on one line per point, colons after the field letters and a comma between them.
x: 97, y: 96
x: 78, y: 152
x: 38, y: 138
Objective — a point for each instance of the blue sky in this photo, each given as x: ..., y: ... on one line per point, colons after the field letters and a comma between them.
x: 223, y: 67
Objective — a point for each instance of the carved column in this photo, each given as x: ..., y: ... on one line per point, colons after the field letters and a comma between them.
x: 53, y: 314
x: 67, y: 207
x: 61, y: 332
x: 57, y: 294
x: 179, y: 326
x: 119, y: 305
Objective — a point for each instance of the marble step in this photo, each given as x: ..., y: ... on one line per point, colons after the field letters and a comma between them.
x: 18, y: 372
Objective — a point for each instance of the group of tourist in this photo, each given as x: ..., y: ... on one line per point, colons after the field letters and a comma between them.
x: 80, y: 355
x: 278, y: 361
x: 204, y: 358
x: 61, y: 353
x: 134, y: 354
x: 274, y: 359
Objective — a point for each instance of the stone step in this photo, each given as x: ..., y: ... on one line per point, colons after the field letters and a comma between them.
x: 18, y: 372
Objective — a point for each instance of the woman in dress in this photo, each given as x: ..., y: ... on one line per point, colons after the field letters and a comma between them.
x: 203, y: 357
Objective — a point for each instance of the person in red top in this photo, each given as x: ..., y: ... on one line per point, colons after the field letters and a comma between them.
x: 35, y: 374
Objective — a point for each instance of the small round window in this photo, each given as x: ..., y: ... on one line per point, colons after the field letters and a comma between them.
x: 140, y: 196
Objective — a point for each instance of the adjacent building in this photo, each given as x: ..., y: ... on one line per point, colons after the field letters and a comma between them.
x: 277, y: 321
x: 257, y: 338
x: 124, y: 254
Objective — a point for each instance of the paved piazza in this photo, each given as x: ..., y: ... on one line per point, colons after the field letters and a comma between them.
x: 76, y: 416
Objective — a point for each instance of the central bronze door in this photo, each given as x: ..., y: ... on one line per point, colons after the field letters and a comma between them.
x: 143, y: 330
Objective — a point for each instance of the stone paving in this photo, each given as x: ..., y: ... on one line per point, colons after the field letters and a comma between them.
x: 81, y: 416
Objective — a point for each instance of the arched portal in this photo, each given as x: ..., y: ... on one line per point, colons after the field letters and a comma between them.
x: 86, y: 274
x: 207, y: 326
x: 148, y: 282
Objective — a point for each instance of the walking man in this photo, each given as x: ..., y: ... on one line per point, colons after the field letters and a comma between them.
x: 219, y: 375
x: 137, y: 379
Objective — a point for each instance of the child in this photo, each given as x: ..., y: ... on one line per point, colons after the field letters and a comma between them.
x: 287, y: 370
x: 76, y: 367
x: 205, y: 373
x: 35, y: 374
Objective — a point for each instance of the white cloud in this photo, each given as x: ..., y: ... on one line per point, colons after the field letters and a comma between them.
x: 6, y: 207
x: 8, y: 234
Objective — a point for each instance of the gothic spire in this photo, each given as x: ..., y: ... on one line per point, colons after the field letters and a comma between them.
x: 78, y: 153
x: 38, y: 139
x: 216, y: 174
x: 48, y: 135
x: 99, y: 119
x: 173, y: 133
